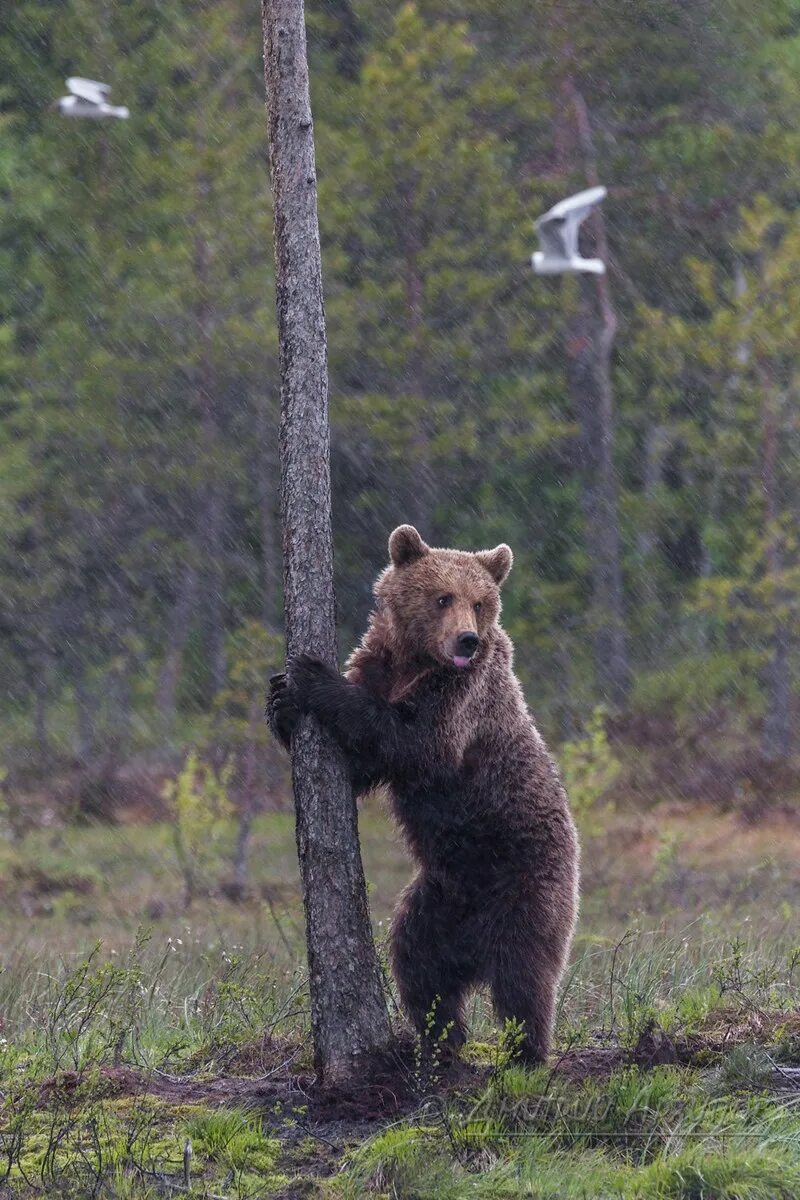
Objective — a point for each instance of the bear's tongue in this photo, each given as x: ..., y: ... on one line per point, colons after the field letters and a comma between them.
x: 460, y: 661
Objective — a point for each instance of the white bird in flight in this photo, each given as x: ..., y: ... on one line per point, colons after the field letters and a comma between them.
x: 88, y: 98
x: 558, y: 236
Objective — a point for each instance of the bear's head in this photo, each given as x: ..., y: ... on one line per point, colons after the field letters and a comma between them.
x: 442, y: 605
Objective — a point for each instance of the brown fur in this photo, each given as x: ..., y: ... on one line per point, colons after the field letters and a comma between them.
x: 471, y: 784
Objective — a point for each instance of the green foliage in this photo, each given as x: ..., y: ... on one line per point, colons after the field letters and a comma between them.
x: 590, y: 770
x: 234, y: 1139
x: 218, y: 993
x: 202, y: 810
x: 688, y: 688
x: 138, y: 365
x: 637, y: 1135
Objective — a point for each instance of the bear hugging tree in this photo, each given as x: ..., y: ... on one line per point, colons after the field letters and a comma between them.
x: 430, y: 706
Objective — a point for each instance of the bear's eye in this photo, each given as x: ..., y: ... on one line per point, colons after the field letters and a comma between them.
x: 444, y: 601
x: 477, y: 606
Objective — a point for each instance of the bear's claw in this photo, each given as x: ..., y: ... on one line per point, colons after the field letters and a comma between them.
x: 282, y: 712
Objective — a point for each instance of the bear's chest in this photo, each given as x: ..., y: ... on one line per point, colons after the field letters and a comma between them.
x: 453, y: 829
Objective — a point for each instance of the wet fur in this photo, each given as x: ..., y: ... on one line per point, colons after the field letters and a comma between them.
x: 471, y: 784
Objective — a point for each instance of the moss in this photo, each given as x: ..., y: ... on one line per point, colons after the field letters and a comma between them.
x: 481, y: 1054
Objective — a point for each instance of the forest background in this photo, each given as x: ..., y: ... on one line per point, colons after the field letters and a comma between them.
x: 656, y: 582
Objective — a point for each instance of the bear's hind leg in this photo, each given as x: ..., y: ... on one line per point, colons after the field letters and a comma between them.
x: 525, y: 991
x: 432, y: 976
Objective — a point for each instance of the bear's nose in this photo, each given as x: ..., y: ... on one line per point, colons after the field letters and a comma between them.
x: 467, y: 643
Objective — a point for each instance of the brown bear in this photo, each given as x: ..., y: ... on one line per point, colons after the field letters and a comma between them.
x: 430, y: 706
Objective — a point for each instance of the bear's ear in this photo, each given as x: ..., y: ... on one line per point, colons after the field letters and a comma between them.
x: 405, y: 545
x: 498, y: 562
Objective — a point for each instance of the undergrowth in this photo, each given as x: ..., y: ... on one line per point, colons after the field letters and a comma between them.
x: 671, y: 1075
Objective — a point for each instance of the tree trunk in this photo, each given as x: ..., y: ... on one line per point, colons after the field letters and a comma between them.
x: 589, y: 386
x: 348, y: 1011
x: 420, y: 501
x: 42, y: 682
x: 590, y: 346
x: 86, y: 705
x: 177, y: 636
x: 776, y: 732
x: 211, y: 533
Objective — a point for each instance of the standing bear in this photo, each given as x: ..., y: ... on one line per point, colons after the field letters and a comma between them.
x: 430, y: 706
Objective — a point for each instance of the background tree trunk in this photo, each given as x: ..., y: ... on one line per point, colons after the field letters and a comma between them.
x: 213, y: 502
x: 177, y: 635
x: 776, y: 732
x: 348, y: 1012
x: 591, y: 343
x: 589, y: 384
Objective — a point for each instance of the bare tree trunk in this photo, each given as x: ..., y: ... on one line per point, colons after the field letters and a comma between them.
x: 589, y: 372
x: 348, y: 1011
x: 421, y: 498
x: 599, y: 500
x: 657, y: 440
x: 42, y: 680
x: 86, y: 704
x: 177, y: 635
x: 776, y: 732
x: 213, y: 504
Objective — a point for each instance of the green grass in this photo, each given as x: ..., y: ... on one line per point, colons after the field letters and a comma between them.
x: 637, y: 1135
x: 103, y: 970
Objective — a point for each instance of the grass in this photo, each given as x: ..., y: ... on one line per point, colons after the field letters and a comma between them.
x: 637, y: 1135
x: 133, y: 1027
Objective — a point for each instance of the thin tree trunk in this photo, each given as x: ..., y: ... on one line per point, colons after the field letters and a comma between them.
x: 776, y: 732
x: 118, y: 680
x: 421, y: 497
x: 177, y: 636
x: 211, y: 533
x: 348, y: 1012
x: 589, y: 371
x: 119, y: 700
x: 599, y: 501
x: 86, y: 704
x: 656, y: 444
x: 42, y: 678
x: 726, y: 420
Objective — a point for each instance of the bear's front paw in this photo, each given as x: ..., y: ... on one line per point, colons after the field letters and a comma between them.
x: 309, y: 678
x: 283, y: 711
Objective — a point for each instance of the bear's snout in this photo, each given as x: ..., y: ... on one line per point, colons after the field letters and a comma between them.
x: 467, y: 643
x: 465, y: 646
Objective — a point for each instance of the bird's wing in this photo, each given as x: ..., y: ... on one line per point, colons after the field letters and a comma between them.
x: 578, y: 205
x: 573, y: 212
x: 551, y: 235
x: 89, y: 89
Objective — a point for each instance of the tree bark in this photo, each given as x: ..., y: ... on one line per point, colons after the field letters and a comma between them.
x: 592, y: 401
x: 348, y: 1012
x: 776, y: 732
x: 420, y: 501
x: 86, y: 705
x: 177, y: 636
x: 590, y: 347
x: 42, y: 682
x: 211, y: 531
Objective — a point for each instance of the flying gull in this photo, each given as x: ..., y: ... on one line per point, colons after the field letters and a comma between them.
x: 88, y: 98
x: 558, y: 236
